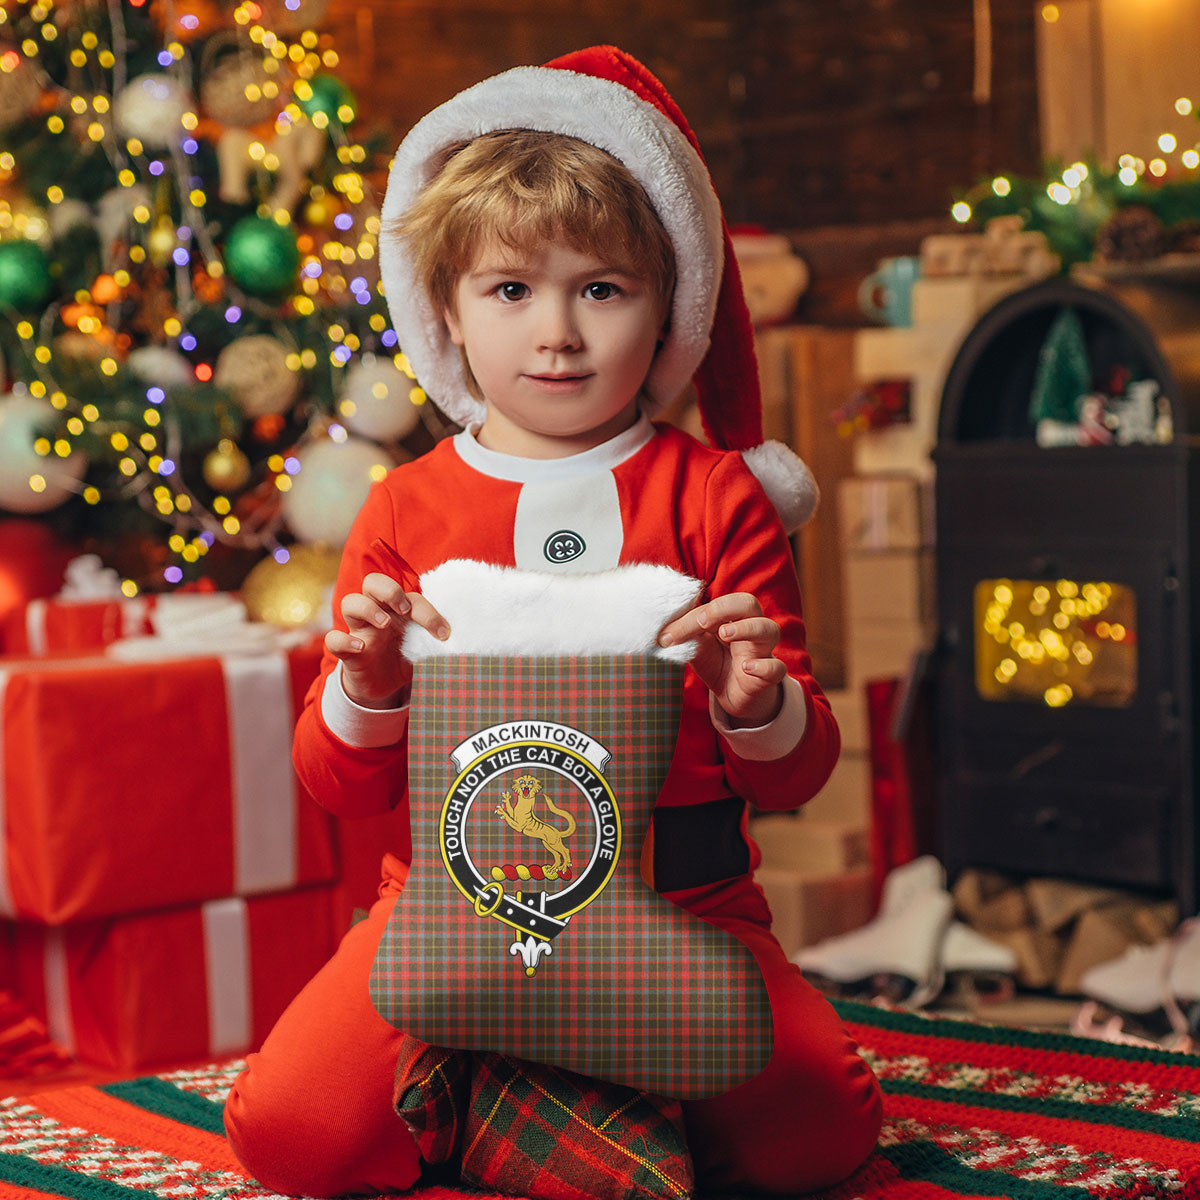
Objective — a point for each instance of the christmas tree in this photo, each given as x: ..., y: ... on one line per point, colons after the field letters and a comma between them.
x: 196, y: 357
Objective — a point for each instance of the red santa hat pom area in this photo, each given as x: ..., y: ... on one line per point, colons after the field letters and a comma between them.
x: 607, y: 98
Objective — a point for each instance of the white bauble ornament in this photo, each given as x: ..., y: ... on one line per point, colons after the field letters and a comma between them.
x: 255, y: 370
x: 114, y: 216
x: 24, y: 419
x: 161, y: 366
x: 150, y: 108
x: 66, y: 215
x: 330, y: 488
x: 375, y: 400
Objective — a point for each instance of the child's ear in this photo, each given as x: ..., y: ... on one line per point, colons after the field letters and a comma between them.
x: 452, y: 327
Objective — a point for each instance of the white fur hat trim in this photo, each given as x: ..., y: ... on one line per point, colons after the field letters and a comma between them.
x: 604, y: 114
x: 507, y: 611
x: 786, y: 479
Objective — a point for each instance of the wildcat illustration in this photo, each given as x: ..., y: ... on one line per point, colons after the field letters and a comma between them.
x: 521, y: 817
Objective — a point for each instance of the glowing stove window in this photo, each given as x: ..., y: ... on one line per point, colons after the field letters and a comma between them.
x: 1056, y: 642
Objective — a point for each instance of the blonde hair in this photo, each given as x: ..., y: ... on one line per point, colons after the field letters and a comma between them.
x: 521, y: 188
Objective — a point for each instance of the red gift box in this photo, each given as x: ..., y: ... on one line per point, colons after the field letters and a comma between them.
x: 52, y: 625
x: 131, y: 786
x: 173, y: 987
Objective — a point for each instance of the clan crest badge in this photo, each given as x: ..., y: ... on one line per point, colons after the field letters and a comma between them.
x: 530, y: 829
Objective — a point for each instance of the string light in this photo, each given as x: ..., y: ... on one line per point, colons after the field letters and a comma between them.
x: 136, y: 446
x: 1047, y: 639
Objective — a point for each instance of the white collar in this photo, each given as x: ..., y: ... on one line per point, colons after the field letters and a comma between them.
x: 514, y: 469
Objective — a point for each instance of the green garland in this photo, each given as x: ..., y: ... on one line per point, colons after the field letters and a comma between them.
x: 1071, y: 228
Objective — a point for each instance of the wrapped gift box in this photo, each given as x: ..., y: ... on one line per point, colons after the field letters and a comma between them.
x: 53, y: 625
x: 885, y: 512
x: 184, y: 985
x: 130, y: 786
x: 888, y: 586
x: 807, y: 908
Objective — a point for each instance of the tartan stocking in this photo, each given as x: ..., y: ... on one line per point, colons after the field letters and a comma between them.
x: 525, y: 926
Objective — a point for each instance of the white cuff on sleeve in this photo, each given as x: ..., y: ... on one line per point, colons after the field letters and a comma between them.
x: 765, y: 743
x: 356, y: 725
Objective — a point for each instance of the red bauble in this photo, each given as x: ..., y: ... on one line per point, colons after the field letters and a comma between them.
x: 32, y: 560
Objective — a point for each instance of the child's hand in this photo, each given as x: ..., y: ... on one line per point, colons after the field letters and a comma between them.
x: 734, y: 656
x: 374, y: 674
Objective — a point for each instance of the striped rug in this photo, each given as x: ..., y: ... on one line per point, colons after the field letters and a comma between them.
x: 972, y: 1111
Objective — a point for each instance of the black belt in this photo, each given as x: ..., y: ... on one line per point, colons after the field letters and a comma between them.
x: 697, y: 844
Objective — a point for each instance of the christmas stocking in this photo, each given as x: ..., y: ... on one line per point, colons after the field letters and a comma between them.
x: 525, y: 926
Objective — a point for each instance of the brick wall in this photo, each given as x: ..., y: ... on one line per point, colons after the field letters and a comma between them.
x: 810, y: 114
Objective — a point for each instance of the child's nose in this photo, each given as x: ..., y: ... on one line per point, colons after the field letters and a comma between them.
x: 558, y: 329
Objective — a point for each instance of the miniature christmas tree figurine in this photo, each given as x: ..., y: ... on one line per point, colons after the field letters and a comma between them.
x: 1061, y: 383
x: 189, y: 299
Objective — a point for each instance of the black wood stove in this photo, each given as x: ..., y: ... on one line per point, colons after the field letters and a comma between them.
x: 1067, y: 665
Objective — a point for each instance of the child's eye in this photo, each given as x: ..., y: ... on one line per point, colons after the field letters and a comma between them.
x: 601, y: 291
x: 512, y: 291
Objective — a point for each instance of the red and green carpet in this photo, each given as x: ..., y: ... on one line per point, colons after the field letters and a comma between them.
x: 972, y: 1110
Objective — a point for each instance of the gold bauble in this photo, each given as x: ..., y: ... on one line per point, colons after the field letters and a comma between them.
x: 318, y: 213
x: 255, y: 370
x: 162, y: 242
x: 295, y: 593
x: 226, y: 468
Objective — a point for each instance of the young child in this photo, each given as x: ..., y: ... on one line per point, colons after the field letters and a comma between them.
x: 557, y: 267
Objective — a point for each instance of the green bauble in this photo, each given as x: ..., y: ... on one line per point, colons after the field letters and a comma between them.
x: 24, y: 275
x: 262, y: 255
x: 329, y: 95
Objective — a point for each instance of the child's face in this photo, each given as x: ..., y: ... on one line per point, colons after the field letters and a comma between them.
x: 559, y: 342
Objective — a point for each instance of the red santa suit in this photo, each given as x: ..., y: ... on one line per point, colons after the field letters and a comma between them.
x: 651, y: 495
x: 313, y: 1111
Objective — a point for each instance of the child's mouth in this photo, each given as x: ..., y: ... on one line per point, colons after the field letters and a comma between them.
x: 558, y: 383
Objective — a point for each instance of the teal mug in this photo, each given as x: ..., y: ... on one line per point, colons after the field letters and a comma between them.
x: 886, y: 294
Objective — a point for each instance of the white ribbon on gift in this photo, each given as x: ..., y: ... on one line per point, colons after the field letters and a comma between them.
x: 56, y: 980
x: 35, y: 626
x: 876, y: 495
x: 227, y: 977
x: 258, y: 697
x: 6, y: 899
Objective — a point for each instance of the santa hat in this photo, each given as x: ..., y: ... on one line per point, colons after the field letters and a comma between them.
x: 607, y: 98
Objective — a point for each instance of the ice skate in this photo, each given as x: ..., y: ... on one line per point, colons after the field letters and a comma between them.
x: 1154, y: 989
x: 898, y: 953
x: 978, y: 965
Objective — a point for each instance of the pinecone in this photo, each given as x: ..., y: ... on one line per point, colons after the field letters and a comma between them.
x: 1132, y: 234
